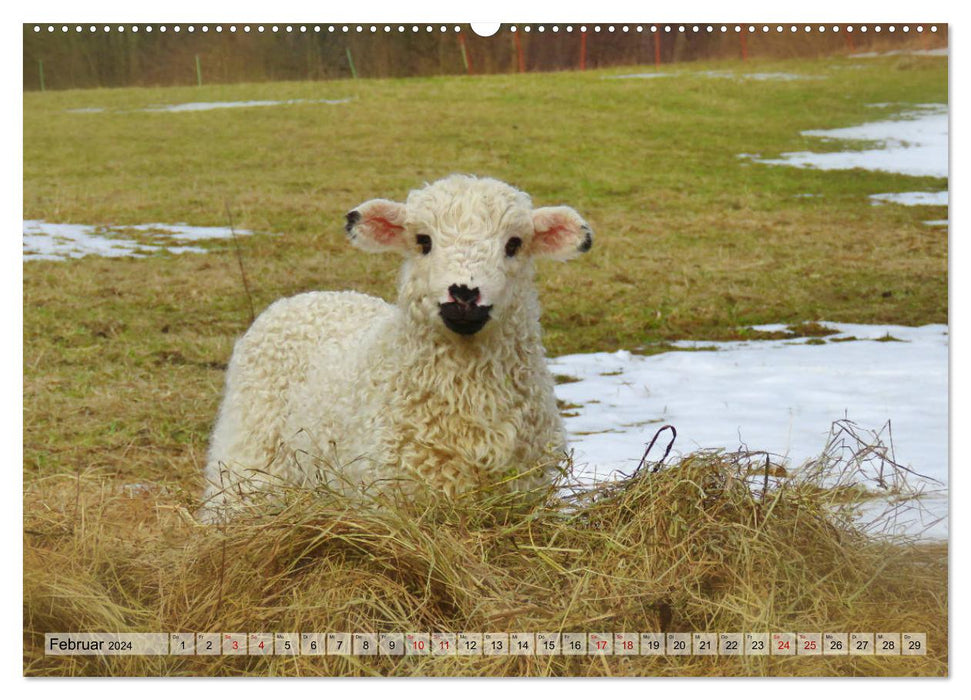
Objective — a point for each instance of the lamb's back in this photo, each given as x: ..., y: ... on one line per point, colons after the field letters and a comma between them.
x: 293, y: 331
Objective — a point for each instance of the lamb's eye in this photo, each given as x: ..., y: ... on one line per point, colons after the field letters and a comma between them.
x: 512, y: 246
x: 424, y: 242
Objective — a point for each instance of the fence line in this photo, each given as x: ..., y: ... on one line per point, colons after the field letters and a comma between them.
x: 82, y: 59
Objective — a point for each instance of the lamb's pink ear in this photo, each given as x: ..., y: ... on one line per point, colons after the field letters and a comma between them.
x: 560, y: 233
x: 377, y: 225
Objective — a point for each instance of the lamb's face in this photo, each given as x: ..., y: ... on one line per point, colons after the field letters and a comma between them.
x: 469, y: 245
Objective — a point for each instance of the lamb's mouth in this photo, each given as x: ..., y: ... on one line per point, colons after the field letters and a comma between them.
x: 464, y: 319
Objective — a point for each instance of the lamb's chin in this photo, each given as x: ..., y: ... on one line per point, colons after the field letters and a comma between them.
x: 465, y: 327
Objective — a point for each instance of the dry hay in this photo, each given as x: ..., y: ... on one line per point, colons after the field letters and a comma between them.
x: 715, y: 542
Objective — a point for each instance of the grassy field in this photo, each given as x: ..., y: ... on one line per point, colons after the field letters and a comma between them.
x: 124, y: 358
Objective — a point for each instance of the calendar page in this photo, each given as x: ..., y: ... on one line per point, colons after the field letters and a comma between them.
x: 485, y: 350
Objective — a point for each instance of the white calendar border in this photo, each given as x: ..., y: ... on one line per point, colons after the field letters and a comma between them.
x: 505, y: 10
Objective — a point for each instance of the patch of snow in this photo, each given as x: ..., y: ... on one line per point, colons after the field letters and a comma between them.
x: 640, y: 75
x: 917, y: 52
x: 184, y: 232
x: 912, y: 199
x: 914, y: 143
x: 720, y: 74
x: 204, y: 106
x: 781, y: 396
x: 936, y: 222
x: 758, y: 76
x: 46, y: 241
x: 908, y: 106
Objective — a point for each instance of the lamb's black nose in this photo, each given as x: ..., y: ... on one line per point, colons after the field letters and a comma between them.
x: 463, y: 295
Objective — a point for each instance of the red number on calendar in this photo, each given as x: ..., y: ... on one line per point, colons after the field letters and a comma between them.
x: 235, y: 645
x: 810, y: 645
x: 784, y: 645
x: 418, y: 644
x: 628, y: 645
x: 601, y: 644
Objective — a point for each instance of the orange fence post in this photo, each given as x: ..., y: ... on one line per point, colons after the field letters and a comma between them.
x: 520, y: 59
x: 657, y: 48
x: 583, y: 50
x: 849, y: 40
x: 465, y: 54
x: 743, y: 39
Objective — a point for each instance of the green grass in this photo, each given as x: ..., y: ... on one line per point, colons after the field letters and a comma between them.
x: 692, y: 241
x: 702, y: 240
x: 124, y: 358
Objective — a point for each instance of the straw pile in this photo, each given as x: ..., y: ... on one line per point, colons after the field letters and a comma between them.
x: 714, y: 542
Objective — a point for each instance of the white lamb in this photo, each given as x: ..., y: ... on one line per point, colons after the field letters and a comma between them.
x: 449, y: 388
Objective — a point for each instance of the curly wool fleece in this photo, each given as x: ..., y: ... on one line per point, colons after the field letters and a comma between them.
x: 448, y: 388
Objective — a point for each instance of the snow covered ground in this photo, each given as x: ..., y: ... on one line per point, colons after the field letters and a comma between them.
x: 647, y: 76
x: 912, y: 143
x: 915, y: 142
x: 918, y: 52
x: 912, y: 199
x: 206, y: 106
x: 720, y: 74
x: 781, y: 396
x: 758, y: 76
x: 47, y: 241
